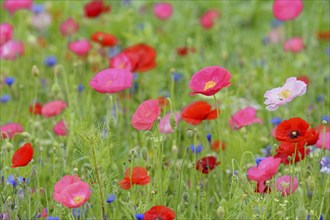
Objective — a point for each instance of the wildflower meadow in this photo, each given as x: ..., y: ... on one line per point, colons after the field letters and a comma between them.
x: 162, y: 110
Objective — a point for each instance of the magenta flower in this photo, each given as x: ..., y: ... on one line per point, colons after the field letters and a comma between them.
x: 165, y: 125
x: 14, y: 5
x: 209, y: 80
x: 323, y: 141
x: 284, y: 185
x: 10, y: 129
x: 112, y: 80
x: 266, y: 169
x: 6, y: 33
x: 60, y: 128
x: 11, y: 50
x: 208, y: 18
x: 80, y: 47
x: 146, y: 114
x: 69, y: 27
x: 285, y: 10
x: 75, y: 195
x: 62, y: 184
x: 121, y: 61
x: 163, y: 11
x: 281, y: 95
x: 243, y: 118
x: 294, y: 45
x: 53, y: 108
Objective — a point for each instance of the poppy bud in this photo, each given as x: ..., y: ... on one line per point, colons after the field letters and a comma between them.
x: 189, y: 133
x: 174, y: 149
x: 221, y: 212
x: 56, y: 89
x: 185, y: 197
x: 8, y: 146
x: 144, y: 153
x: 75, y: 170
x: 58, y: 70
x: 173, y: 121
x: 35, y: 71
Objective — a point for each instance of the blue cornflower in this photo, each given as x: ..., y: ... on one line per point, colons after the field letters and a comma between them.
x: 259, y: 159
x: 321, y: 217
x: 276, y: 121
x: 325, y: 117
x: 209, y: 138
x: 139, y: 216
x: 177, y: 76
x: 9, y: 80
x: 50, y: 61
x: 320, y: 98
x: 275, y: 23
x: 197, y: 149
x: 267, y: 151
x: 111, y: 198
x: 38, y: 8
x: 328, y: 51
x: 325, y: 165
x: 52, y: 218
x: 23, y: 180
x: 11, y: 180
x: 5, y: 98
x: 80, y: 87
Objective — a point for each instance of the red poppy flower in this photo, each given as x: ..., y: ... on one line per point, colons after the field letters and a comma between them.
x: 289, y: 148
x: 313, y: 137
x: 104, y: 39
x: 142, y: 57
x: 206, y: 164
x: 184, y: 51
x: 22, y: 156
x: 136, y: 175
x: 35, y: 109
x: 292, y: 130
x: 94, y: 8
x: 216, y: 145
x: 198, y: 111
x: 323, y: 35
x: 284, y: 156
x: 159, y: 213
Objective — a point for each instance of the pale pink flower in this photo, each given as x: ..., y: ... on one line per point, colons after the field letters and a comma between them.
x: 10, y: 129
x: 281, y: 95
x: 11, y: 50
x: 286, y: 185
x: 209, y: 80
x: 163, y: 10
x: 285, y: 10
x: 121, y: 61
x: 41, y: 21
x: 53, y: 108
x: 323, y: 141
x: 276, y: 35
x: 80, y: 47
x: 14, y: 5
x: 69, y: 27
x: 60, y: 128
x: 62, y: 184
x: 243, y: 118
x: 208, y: 18
x: 146, y: 114
x: 75, y: 195
x: 294, y: 45
x: 6, y: 33
x: 165, y: 125
x: 112, y: 80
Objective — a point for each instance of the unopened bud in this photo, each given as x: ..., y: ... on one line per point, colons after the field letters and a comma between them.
x: 189, y: 133
x: 221, y: 212
x: 35, y: 71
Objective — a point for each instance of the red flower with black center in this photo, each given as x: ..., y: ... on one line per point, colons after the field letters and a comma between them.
x: 198, y: 111
x: 35, y: 109
x: 142, y: 57
x: 104, y: 39
x: 206, y: 164
x: 159, y: 213
x: 292, y: 130
x: 22, y: 156
x: 287, y: 157
x: 136, y: 175
x: 94, y: 8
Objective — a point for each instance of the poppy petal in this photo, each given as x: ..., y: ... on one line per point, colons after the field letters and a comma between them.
x: 22, y: 156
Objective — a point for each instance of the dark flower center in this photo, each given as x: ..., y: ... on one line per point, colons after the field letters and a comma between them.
x: 294, y: 134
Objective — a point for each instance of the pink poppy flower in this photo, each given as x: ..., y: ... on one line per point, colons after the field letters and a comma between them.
x: 75, y: 195
x: 323, y: 141
x: 80, y: 47
x: 62, y: 184
x: 146, y: 114
x: 6, y: 33
x: 10, y: 129
x: 13, y: 5
x: 284, y: 185
x: 53, y: 108
x: 209, y: 80
x: 11, y: 50
x: 41, y: 21
x: 208, y: 18
x: 243, y: 118
x: 285, y: 10
x: 60, y: 128
x: 121, y: 61
x: 294, y: 45
x: 163, y: 11
x: 112, y: 80
x: 281, y: 95
x: 69, y: 27
x: 165, y: 123
x: 266, y: 169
